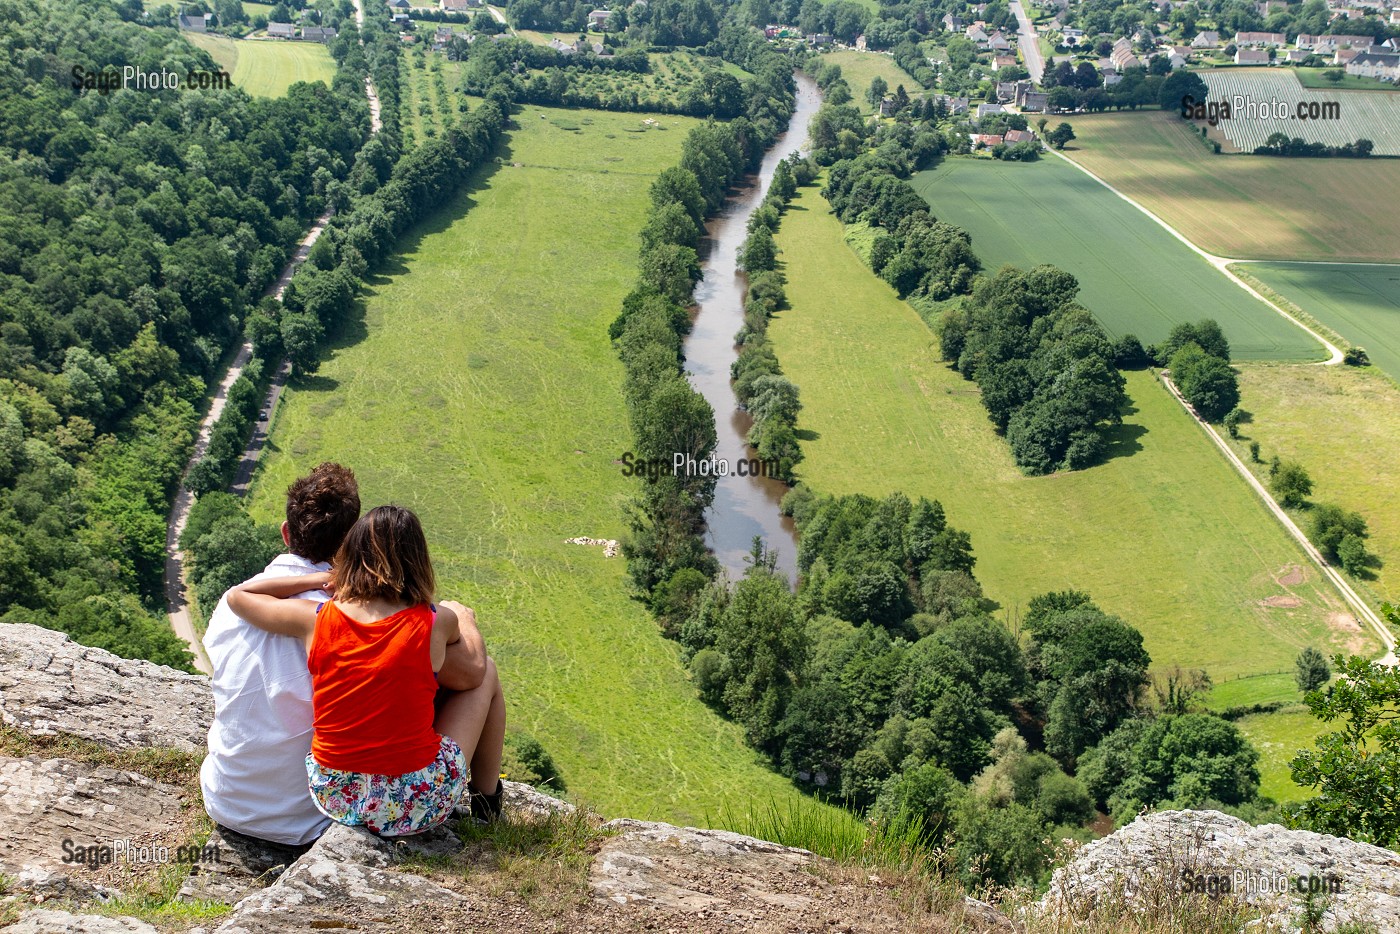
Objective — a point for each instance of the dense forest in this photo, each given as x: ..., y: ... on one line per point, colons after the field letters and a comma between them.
x: 139, y: 229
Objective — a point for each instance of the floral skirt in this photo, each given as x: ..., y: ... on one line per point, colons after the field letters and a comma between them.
x: 392, y: 805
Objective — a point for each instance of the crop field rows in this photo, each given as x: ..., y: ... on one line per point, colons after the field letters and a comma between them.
x: 1134, y: 276
x: 1362, y: 114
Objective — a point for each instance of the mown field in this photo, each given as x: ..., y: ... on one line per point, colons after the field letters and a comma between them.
x: 1163, y: 534
x: 1360, y: 115
x: 1250, y: 207
x: 266, y: 67
x: 1136, y: 277
x: 481, y: 390
x: 858, y: 68
x: 1362, y: 303
x: 1313, y: 78
x: 1341, y: 424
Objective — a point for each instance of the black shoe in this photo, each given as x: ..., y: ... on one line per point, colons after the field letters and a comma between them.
x: 486, y: 809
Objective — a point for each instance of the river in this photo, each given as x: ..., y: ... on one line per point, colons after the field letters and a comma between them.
x: 744, y: 507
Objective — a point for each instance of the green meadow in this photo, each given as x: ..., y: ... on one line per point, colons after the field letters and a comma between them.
x: 1359, y: 302
x: 858, y: 68
x: 1341, y: 424
x: 481, y: 390
x: 1279, y: 736
x: 1163, y: 533
x: 1135, y: 276
x: 267, y: 67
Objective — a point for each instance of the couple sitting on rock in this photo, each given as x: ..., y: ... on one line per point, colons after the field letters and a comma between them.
x: 362, y: 701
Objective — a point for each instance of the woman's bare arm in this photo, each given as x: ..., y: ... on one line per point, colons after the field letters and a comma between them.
x: 264, y: 604
x: 445, y: 632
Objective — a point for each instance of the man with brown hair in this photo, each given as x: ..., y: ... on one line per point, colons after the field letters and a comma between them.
x: 254, y: 777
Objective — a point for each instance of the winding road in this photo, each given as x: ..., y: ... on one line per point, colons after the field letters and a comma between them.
x: 176, y: 584
x: 1358, y: 606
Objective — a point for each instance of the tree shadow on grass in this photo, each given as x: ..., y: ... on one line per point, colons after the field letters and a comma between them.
x: 807, y: 434
x: 1123, y: 440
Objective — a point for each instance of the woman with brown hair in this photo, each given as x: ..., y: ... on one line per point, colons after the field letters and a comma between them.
x: 387, y: 751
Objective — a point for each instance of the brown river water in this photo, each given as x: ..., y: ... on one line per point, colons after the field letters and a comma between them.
x: 744, y: 507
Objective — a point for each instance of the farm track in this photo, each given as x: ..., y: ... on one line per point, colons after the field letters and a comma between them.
x: 1358, y: 605
x: 176, y: 582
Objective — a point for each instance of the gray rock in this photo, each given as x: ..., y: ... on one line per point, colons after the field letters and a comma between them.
x: 50, y: 684
x: 58, y: 800
x: 525, y: 800
x: 1158, y: 854
x: 342, y: 881
x: 41, y: 921
x: 244, y: 865
x: 662, y: 865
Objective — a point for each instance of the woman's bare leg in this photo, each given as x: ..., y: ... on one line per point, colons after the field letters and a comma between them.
x: 476, y: 719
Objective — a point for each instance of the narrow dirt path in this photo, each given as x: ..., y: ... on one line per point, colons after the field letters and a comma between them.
x: 176, y: 584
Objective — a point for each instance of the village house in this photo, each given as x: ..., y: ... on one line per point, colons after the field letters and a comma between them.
x: 561, y: 47
x: 399, y: 4
x: 955, y: 105
x: 1347, y: 56
x: 455, y: 6
x: 1003, y: 61
x: 1031, y: 100
x: 986, y: 139
x: 1297, y: 55
x: 998, y: 42
x: 1251, y: 57
x: 1012, y: 137
x: 977, y: 35
x: 820, y: 39
x: 1206, y: 39
x: 1123, y: 57
x: 598, y: 20
x: 196, y: 23
x: 952, y: 23
x: 1383, y: 65
x: 1257, y: 40
x: 318, y: 33
x: 860, y: 43
x: 985, y: 109
x: 1073, y: 36
x: 281, y: 31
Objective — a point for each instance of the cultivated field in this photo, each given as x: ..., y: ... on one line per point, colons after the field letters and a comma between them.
x: 858, y: 68
x: 1361, y: 114
x: 480, y: 389
x: 431, y: 92
x: 1136, y: 277
x: 1362, y: 303
x: 1341, y: 424
x: 1163, y: 534
x: 1251, y: 207
x: 267, y: 67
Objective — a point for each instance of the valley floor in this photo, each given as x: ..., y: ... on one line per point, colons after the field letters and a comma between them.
x: 480, y: 389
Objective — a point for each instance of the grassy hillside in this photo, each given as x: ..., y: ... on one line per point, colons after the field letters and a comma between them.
x: 481, y: 390
x: 1244, y: 206
x: 267, y: 68
x: 1136, y: 277
x: 1164, y: 533
x: 1362, y: 303
x: 1279, y: 736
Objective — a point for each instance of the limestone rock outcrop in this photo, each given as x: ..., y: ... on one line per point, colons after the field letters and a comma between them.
x: 1171, y: 853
